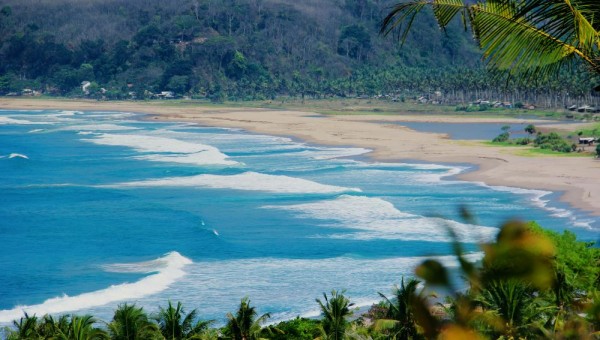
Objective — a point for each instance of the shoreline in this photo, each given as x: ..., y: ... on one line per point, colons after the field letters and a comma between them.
x: 575, y: 179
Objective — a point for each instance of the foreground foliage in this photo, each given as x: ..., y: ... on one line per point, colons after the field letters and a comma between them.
x: 522, y: 36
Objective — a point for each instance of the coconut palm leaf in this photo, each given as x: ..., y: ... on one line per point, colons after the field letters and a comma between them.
x: 402, y: 15
x: 335, y: 310
x: 82, y: 328
x: 246, y: 324
x: 399, y: 320
x: 525, y: 37
x: 50, y: 328
x: 512, y: 42
x: 131, y: 323
x: 175, y: 324
x: 26, y: 327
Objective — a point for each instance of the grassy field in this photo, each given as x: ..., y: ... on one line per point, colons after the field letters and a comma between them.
x: 531, y: 151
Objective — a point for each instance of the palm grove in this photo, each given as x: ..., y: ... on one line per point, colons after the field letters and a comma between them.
x: 249, y: 50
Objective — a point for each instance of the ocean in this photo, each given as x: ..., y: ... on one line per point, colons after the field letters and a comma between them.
x: 102, y: 208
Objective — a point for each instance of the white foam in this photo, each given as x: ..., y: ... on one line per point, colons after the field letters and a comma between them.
x: 534, y: 196
x: 11, y: 121
x: 200, y: 158
x: 288, y: 287
x: 331, y: 153
x: 240, y: 143
x: 67, y: 113
x: 375, y: 218
x: 17, y: 155
x: 99, y: 127
x: 251, y: 181
x: 35, y: 130
x: 202, y: 154
x: 167, y: 269
x: 438, y: 178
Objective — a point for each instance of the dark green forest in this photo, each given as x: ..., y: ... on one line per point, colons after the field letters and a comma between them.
x: 250, y: 50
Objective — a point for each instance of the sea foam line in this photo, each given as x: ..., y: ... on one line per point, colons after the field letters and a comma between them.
x: 250, y: 181
x: 168, y: 269
x: 98, y: 127
x: 11, y: 121
x: 375, y: 218
x: 291, y: 285
x: 179, y: 151
x: 535, y: 196
x: 15, y: 155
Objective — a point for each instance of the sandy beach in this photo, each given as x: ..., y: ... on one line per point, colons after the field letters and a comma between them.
x: 576, y: 178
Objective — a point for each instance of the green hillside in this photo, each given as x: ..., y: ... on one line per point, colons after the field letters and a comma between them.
x: 244, y: 50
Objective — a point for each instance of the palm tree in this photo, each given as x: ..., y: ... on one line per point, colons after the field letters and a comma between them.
x: 26, y: 328
x: 514, y: 302
x: 50, y: 328
x: 522, y: 36
x: 175, y: 324
x: 81, y: 328
x: 399, y: 317
x: 245, y: 325
x: 132, y: 323
x: 335, y: 310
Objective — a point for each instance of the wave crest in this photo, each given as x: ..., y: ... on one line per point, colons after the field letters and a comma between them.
x: 168, y: 269
x: 251, y: 181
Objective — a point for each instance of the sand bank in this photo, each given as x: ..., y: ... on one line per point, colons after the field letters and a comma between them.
x: 577, y: 178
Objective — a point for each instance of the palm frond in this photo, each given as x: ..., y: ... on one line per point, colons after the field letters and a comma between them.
x: 523, y: 37
x: 512, y: 43
x: 402, y: 15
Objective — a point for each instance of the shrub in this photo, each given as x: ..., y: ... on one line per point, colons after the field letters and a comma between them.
x: 552, y: 141
x: 484, y: 107
x: 530, y: 129
x: 522, y: 141
x: 598, y: 150
x: 503, y: 137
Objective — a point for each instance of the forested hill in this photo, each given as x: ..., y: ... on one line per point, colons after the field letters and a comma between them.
x: 235, y: 49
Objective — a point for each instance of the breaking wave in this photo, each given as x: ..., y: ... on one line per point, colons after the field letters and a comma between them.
x: 251, y: 181
x: 164, y: 272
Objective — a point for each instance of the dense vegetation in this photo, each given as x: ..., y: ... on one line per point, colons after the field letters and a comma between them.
x: 552, y: 141
x: 249, y: 49
x: 531, y: 283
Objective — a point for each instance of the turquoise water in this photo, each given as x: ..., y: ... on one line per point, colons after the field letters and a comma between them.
x: 99, y: 208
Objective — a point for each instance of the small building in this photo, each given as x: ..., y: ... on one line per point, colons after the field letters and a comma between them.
x: 85, y: 87
x: 585, y: 108
x: 587, y: 140
x: 166, y: 95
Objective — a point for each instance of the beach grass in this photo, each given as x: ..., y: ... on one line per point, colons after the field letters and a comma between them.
x: 530, y: 151
x: 591, y: 131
